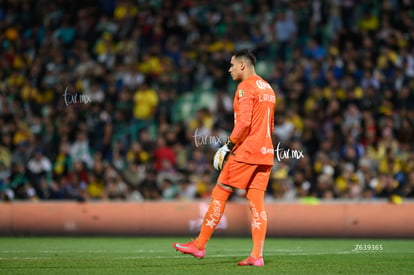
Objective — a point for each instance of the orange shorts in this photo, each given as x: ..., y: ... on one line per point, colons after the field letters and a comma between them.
x: 244, y: 175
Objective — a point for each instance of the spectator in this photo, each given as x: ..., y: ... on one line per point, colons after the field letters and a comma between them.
x: 187, y: 190
x: 80, y: 151
x: 314, y: 50
x: 145, y: 103
x: 164, y: 155
x: 63, y: 161
x: 285, y: 33
x: 133, y: 175
x: 96, y: 187
x: 149, y: 186
x: 116, y: 189
x: 136, y: 154
x: 169, y: 189
x: 39, y: 169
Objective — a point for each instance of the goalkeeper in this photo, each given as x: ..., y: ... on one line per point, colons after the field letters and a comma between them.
x: 245, y: 161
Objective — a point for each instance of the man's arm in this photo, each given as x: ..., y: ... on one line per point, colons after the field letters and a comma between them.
x: 241, y: 128
x: 244, y: 117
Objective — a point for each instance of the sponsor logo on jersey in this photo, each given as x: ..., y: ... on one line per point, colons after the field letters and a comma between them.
x: 262, y: 84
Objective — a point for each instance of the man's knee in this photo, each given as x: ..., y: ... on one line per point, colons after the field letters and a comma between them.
x: 225, y: 187
x: 255, y: 195
x: 221, y: 193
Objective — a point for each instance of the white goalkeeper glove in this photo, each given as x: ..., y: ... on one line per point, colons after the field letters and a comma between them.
x: 221, y: 155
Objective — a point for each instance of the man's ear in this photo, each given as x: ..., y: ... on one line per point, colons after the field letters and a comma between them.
x: 242, y: 65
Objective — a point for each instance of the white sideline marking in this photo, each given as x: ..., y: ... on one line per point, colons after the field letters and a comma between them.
x: 269, y: 253
x: 25, y: 258
x: 242, y: 253
x: 82, y: 251
x: 239, y: 255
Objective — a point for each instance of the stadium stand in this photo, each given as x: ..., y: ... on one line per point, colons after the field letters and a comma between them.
x: 82, y: 81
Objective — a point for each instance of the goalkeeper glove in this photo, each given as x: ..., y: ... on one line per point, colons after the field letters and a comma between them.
x: 221, y: 155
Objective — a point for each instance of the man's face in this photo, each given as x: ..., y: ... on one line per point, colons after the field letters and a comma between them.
x: 235, y: 69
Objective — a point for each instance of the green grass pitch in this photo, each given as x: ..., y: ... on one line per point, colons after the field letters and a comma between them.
x: 133, y: 255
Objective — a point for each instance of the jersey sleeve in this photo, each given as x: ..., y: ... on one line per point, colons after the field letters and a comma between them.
x: 243, y: 117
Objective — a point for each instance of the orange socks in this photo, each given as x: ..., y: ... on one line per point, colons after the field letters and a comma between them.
x: 215, y: 210
x: 259, y: 220
x: 213, y: 215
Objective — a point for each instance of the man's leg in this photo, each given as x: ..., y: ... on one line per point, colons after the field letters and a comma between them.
x: 215, y: 211
x: 259, y: 220
x: 219, y: 197
x: 258, y: 227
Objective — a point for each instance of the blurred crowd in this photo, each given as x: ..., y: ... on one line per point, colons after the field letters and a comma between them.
x: 89, y: 93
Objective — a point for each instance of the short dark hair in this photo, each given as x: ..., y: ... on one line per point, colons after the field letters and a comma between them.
x: 246, y: 54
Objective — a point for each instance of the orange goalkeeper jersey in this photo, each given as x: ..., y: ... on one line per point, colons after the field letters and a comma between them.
x: 254, y: 104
